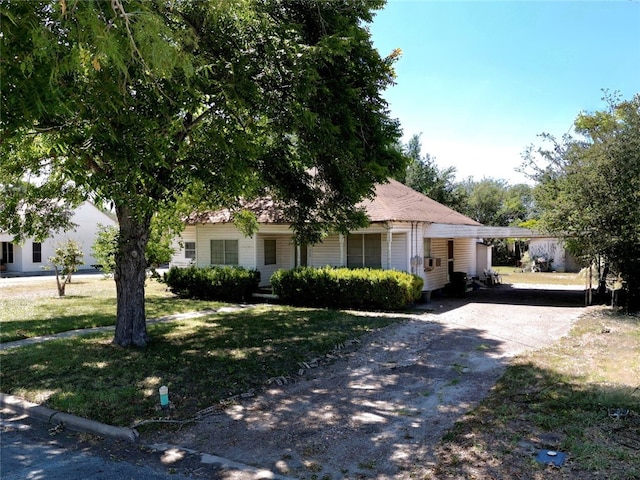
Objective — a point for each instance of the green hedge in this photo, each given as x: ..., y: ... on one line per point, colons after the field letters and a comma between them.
x: 364, y: 288
x: 227, y: 284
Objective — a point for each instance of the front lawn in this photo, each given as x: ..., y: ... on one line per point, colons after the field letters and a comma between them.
x: 32, y: 308
x: 202, y: 361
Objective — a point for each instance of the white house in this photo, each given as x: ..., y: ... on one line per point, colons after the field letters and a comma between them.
x: 553, y: 249
x: 31, y: 256
x: 408, y: 232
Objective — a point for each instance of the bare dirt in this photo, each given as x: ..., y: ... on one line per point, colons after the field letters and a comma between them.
x: 378, y: 408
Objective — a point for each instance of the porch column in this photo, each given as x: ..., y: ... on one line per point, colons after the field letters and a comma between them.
x: 389, y: 240
x: 341, y: 237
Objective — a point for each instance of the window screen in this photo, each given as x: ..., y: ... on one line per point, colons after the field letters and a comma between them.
x: 364, y: 250
x: 224, y: 252
x: 190, y: 250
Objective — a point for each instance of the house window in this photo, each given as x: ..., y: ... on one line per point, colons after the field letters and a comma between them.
x: 224, y: 252
x: 364, y: 250
x: 7, y: 252
x: 270, y: 252
x: 427, y: 247
x: 190, y: 250
x: 36, y: 252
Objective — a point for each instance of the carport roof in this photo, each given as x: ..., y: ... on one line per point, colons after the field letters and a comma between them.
x: 481, y: 231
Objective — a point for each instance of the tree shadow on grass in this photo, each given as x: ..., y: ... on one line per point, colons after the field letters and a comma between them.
x: 534, y: 409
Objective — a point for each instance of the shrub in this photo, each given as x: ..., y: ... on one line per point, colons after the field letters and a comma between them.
x: 364, y: 288
x: 229, y: 284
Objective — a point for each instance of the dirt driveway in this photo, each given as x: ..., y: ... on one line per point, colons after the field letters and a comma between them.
x: 378, y: 410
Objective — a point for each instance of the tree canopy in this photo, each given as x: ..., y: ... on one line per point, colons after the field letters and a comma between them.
x: 494, y: 202
x: 142, y: 104
x: 589, y: 188
x: 423, y: 175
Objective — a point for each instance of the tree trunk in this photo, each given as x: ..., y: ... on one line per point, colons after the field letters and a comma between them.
x: 61, y: 286
x: 130, y: 272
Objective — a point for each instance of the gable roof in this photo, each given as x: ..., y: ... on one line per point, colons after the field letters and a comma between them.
x: 393, y: 201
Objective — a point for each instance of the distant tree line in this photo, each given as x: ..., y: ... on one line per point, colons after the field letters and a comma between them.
x: 586, y: 190
x: 489, y: 201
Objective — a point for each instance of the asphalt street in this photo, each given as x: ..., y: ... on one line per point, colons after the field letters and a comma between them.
x: 32, y: 450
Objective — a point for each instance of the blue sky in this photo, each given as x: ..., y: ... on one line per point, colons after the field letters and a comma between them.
x: 480, y: 80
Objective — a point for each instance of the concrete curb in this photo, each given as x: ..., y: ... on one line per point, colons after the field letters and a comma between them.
x: 72, y: 422
x: 206, y: 458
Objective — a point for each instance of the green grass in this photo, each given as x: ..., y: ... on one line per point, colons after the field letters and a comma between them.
x: 558, y: 398
x: 202, y: 361
x: 34, y: 309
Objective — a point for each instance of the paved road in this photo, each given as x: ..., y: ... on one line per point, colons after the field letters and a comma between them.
x: 30, y: 451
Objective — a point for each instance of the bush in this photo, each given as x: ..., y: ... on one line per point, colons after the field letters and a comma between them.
x: 228, y: 284
x: 367, y: 289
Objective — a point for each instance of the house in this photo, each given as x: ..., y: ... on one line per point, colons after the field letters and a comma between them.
x: 30, y: 256
x: 554, y: 251
x: 408, y: 232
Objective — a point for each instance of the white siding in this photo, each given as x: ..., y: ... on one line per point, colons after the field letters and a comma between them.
x: 178, y: 259
x: 552, y: 248
x: 464, y: 255
x: 326, y: 252
x: 438, y: 277
x: 405, y: 242
x: 284, y: 256
x: 399, y: 256
x: 224, y: 231
x: 483, y: 261
x: 86, y: 217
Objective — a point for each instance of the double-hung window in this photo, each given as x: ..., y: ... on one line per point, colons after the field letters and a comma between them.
x: 224, y: 252
x: 190, y: 250
x: 364, y: 250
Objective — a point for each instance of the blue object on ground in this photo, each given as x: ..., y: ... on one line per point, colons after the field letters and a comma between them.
x: 550, y: 457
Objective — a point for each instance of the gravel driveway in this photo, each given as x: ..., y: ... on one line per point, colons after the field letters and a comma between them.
x: 378, y: 410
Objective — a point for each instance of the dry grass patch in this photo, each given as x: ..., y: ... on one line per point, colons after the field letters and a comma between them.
x: 562, y: 398
x: 512, y: 275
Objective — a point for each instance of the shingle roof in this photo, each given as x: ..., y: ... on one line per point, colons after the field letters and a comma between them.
x: 396, y: 201
x: 393, y: 201
x: 265, y: 210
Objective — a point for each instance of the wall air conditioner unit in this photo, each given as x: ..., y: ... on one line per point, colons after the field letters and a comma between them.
x: 429, y: 264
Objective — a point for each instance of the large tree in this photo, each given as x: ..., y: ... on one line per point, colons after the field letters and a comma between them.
x: 141, y: 103
x: 589, y: 188
x: 423, y: 175
x: 495, y: 202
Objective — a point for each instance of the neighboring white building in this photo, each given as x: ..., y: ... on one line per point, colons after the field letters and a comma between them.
x: 553, y: 249
x: 31, y: 256
x: 409, y: 232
